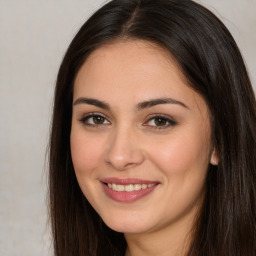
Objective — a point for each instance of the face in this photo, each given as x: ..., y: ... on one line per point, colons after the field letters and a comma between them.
x: 140, y: 138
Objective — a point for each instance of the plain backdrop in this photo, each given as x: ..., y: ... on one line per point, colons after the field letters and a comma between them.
x: 34, y: 36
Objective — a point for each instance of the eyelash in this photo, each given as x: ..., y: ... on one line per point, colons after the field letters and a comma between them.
x: 85, y: 119
x: 169, y: 122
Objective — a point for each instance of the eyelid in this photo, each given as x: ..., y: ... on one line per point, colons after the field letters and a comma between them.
x: 85, y: 117
x: 169, y: 119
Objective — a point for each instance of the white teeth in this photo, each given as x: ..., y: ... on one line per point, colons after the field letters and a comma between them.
x: 119, y: 187
x: 137, y: 187
x: 129, y: 187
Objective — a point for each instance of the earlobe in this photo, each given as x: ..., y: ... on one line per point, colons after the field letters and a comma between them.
x: 214, y: 157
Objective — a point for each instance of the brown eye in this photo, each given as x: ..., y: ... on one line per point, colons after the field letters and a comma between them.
x: 160, y: 121
x: 98, y: 120
x: 94, y: 120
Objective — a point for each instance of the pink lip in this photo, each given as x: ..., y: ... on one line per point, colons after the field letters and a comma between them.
x: 127, y: 181
x: 126, y: 197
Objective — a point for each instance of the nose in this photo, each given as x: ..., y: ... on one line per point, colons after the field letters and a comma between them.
x: 124, y: 150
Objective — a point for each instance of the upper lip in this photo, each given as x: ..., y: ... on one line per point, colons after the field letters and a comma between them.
x: 127, y: 181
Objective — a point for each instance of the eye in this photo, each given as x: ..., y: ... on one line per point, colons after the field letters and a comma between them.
x: 160, y: 122
x: 94, y: 119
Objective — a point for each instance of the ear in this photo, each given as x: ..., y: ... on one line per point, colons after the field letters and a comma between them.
x: 214, y: 160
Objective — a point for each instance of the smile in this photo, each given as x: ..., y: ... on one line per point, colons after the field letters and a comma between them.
x: 128, y: 190
x: 129, y: 187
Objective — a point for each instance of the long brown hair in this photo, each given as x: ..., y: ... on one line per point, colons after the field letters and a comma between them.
x: 210, y: 60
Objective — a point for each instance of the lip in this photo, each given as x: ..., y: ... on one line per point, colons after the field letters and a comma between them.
x: 127, y: 181
x: 127, y: 197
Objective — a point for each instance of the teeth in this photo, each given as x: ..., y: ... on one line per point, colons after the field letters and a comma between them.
x: 119, y: 187
x: 130, y: 187
x: 137, y: 187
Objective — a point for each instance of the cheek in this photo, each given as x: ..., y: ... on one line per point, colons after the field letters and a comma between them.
x: 182, y: 154
x: 85, y: 151
x: 183, y: 161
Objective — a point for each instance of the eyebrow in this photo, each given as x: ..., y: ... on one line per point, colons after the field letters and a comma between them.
x: 94, y: 102
x: 154, y: 102
x: 140, y: 106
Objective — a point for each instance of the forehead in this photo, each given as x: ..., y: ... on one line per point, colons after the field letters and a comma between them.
x: 135, y: 70
x: 139, y: 60
x: 132, y: 50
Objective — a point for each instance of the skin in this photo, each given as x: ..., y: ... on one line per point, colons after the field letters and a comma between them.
x: 128, y: 142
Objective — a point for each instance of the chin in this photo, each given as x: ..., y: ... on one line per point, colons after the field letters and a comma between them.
x: 126, y: 229
x: 127, y: 224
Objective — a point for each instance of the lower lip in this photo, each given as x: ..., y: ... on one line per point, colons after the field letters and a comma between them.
x: 127, y: 197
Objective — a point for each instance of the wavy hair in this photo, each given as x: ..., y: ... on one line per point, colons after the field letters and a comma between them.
x: 213, y: 66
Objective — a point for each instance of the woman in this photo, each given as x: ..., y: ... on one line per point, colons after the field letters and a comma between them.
x: 153, y: 143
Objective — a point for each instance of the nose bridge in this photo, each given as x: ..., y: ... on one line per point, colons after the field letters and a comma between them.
x: 124, y: 150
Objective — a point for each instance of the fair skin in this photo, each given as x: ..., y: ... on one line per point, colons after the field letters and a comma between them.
x: 122, y: 133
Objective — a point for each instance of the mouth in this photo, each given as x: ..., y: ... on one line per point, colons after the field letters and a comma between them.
x: 129, y: 187
x: 127, y: 190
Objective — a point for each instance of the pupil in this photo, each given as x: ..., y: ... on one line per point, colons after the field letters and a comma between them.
x: 160, y: 122
x: 98, y: 119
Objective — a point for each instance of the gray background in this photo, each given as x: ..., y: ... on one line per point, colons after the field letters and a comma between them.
x: 34, y: 36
